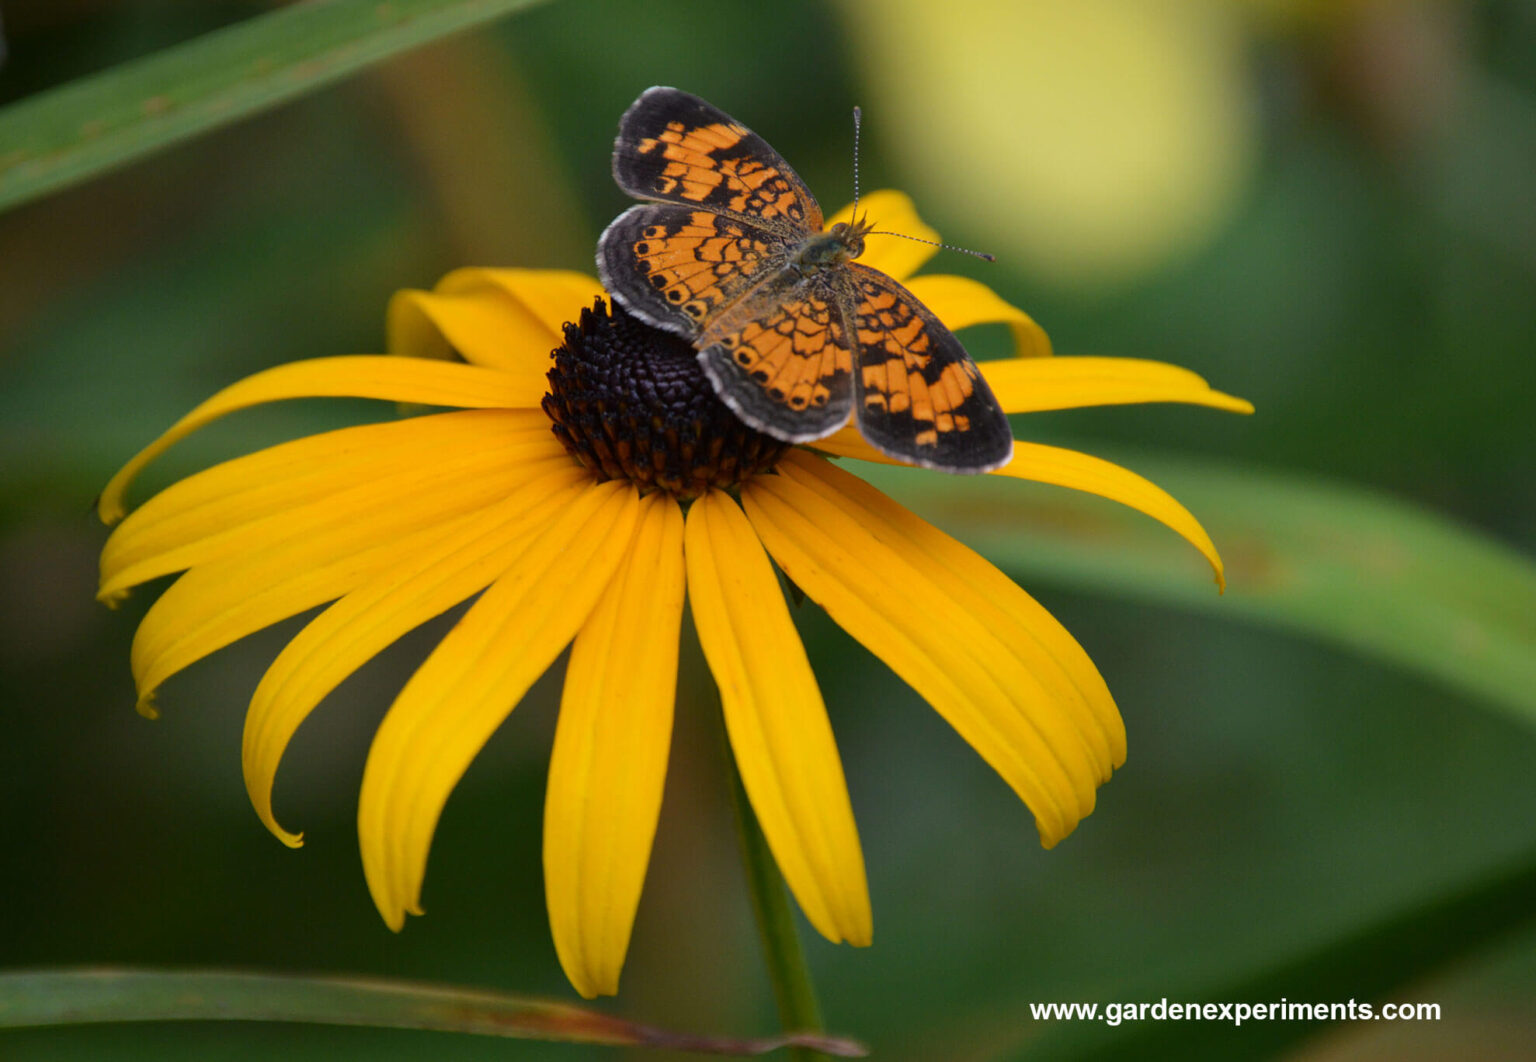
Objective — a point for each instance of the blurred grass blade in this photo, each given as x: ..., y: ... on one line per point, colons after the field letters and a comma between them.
x: 83, y: 128
x: 73, y: 997
x: 1343, y: 564
x: 1381, y: 963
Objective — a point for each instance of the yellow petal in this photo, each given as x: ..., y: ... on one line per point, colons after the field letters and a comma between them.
x: 984, y: 591
x: 610, y: 757
x: 892, y: 211
x: 428, y: 383
x: 1030, y: 385
x: 776, y: 720
x: 472, y: 681
x: 461, y: 558
x: 315, y: 554
x: 241, y: 505
x: 552, y: 296
x: 961, y: 302
x: 508, y: 319
x: 1004, y: 674
x: 1069, y: 468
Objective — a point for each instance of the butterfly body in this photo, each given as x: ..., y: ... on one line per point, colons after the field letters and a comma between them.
x: 795, y: 335
x: 828, y: 250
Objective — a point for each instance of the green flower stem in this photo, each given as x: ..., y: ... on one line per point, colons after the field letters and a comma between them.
x: 792, y: 987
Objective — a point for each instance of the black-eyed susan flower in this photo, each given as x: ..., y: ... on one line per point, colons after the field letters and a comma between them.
x: 583, y: 505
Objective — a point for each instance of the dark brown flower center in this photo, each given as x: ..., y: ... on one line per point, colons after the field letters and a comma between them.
x: 631, y: 402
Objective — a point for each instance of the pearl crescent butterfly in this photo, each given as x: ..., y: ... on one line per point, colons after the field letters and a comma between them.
x: 793, y: 333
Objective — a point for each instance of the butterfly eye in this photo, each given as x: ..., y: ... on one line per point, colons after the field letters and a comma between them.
x: 839, y: 228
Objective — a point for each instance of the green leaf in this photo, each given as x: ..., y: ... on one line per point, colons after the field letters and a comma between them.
x: 1379, y: 963
x: 73, y: 997
x: 1340, y: 563
x: 81, y: 129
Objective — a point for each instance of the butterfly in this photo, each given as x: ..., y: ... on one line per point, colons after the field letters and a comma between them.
x: 793, y: 333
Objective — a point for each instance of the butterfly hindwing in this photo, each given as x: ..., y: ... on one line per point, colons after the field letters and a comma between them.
x: 674, y: 147
x: 677, y: 267
x: 920, y: 397
x: 782, y: 362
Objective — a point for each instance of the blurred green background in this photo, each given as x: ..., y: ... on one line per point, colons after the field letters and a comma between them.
x: 1327, y: 208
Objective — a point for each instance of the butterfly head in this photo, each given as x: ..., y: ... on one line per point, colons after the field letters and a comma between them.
x: 845, y: 239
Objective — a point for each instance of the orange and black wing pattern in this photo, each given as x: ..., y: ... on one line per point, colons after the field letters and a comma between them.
x: 676, y: 148
x: 782, y: 360
x: 794, y: 336
x: 679, y: 268
x: 920, y: 397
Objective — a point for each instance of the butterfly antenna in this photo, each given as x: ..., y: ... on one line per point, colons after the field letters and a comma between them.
x: 935, y: 243
x: 858, y: 116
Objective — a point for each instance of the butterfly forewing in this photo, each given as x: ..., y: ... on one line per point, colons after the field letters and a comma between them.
x: 678, y: 267
x: 677, y: 148
x: 920, y: 397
